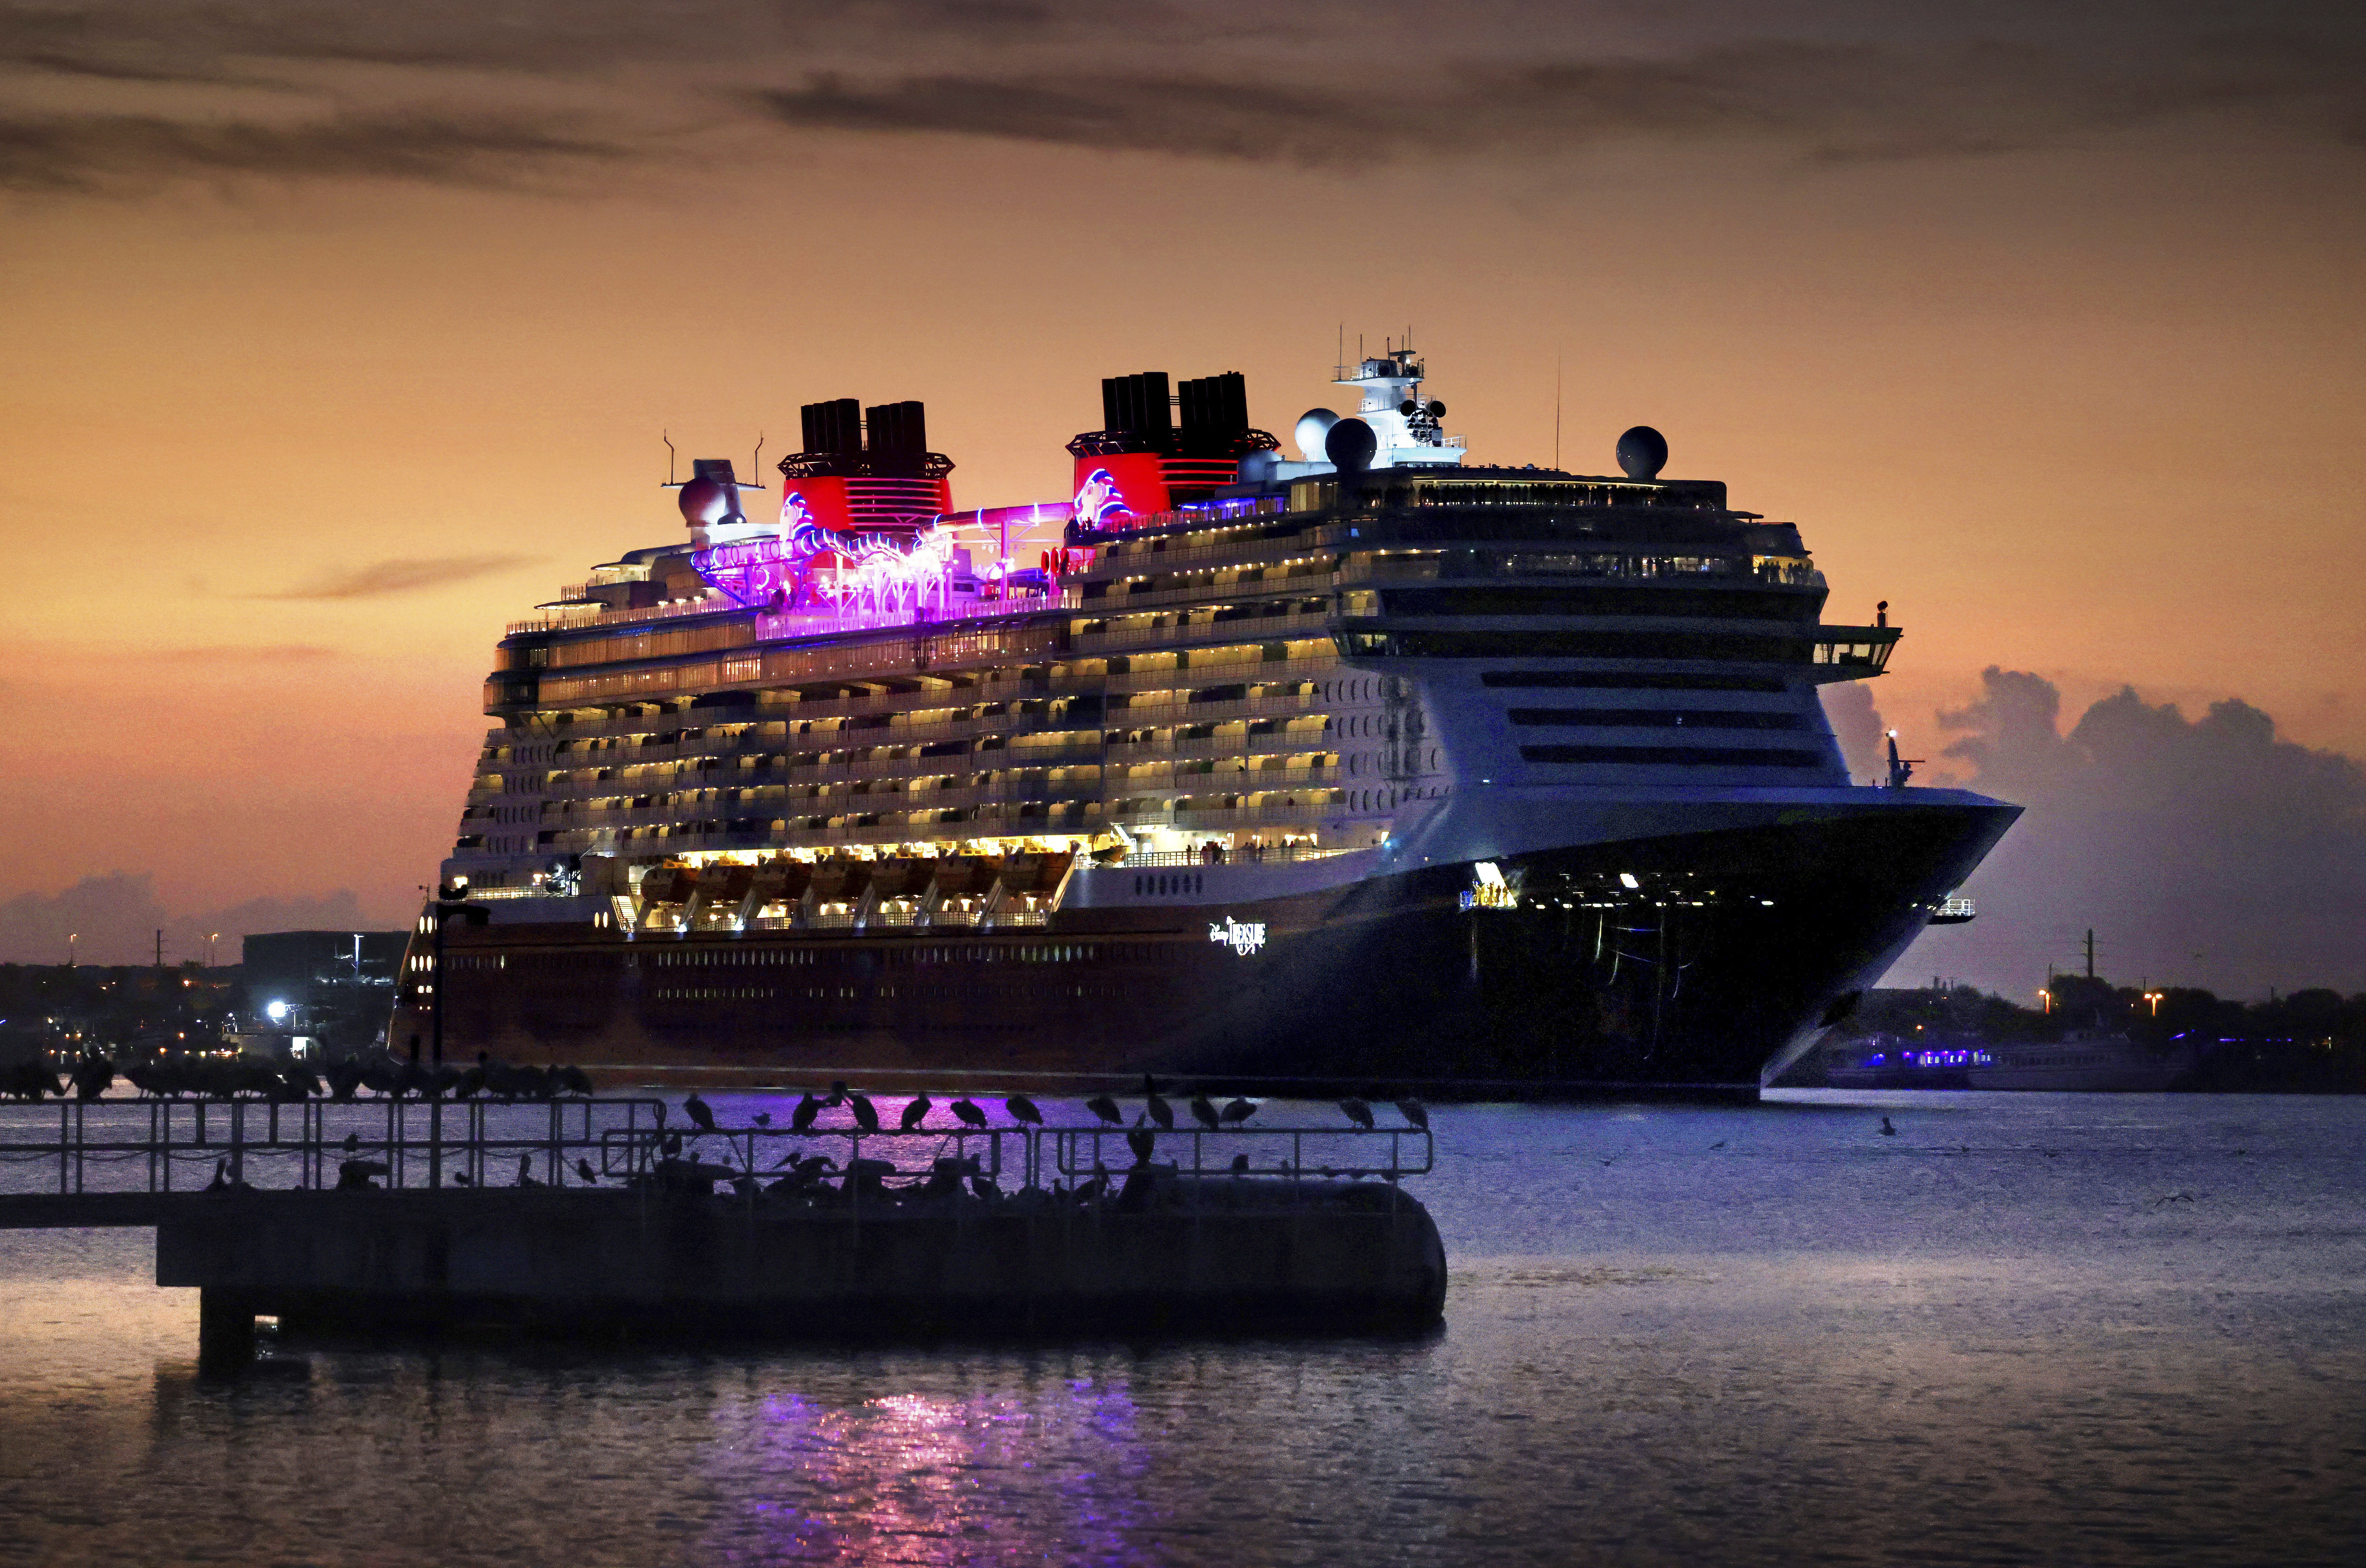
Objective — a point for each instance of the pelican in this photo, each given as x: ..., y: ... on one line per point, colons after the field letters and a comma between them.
x: 1240, y: 1164
x: 525, y: 1171
x: 764, y: 1120
x: 1204, y: 1110
x: 1416, y: 1113
x: 1104, y: 1108
x: 583, y: 1168
x: 971, y: 1116
x: 1141, y: 1139
x: 1160, y: 1112
x: 1022, y: 1110
x: 917, y: 1112
x: 1886, y: 1129
x: 983, y: 1185
x: 1357, y: 1111
x: 1239, y: 1108
x: 701, y: 1115
x: 866, y: 1115
x: 808, y: 1108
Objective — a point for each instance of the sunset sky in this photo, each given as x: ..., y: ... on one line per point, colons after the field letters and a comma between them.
x: 335, y: 337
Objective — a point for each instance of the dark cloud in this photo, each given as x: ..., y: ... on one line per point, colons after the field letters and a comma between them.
x: 1857, y: 726
x: 2199, y: 850
x: 1829, y: 101
x: 115, y: 920
x: 364, y: 91
x: 399, y: 577
x: 62, y: 154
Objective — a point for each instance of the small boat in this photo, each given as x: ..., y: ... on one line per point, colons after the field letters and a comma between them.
x: 2082, y: 1059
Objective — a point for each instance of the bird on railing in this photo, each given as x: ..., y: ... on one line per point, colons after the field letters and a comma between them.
x: 701, y: 1115
x: 836, y: 1094
x: 1240, y: 1164
x: 460, y: 1178
x: 1142, y: 1141
x: 352, y: 1142
x: 1022, y: 1110
x: 573, y: 1081
x: 866, y: 1115
x: 971, y: 1116
x: 583, y: 1168
x: 525, y: 1171
x: 357, y: 1173
x: 1416, y: 1113
x: 917, y: 1111
x: 1104, y: 1108
x: 1204, y: 1110
x: 803, y: 1116
x: 1239, y: 1109
x: 764, y: 1120
x: 1160, y: 1112
x: 1357, y: 1111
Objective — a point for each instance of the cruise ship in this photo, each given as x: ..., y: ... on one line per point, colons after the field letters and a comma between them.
x: 1368, y: 765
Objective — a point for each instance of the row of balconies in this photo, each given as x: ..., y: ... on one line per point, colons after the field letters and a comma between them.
x: 1305, y: 814
x: 1244, y: 628
x: 737, y: 799
x: 1147, y: 715
x: 725, y: 772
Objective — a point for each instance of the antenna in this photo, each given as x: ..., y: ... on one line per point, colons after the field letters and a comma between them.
x: 1557, y: 405
x: 756, y: 463
x: 668, y: 439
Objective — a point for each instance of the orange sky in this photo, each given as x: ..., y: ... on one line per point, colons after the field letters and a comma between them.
x: 285, y: 443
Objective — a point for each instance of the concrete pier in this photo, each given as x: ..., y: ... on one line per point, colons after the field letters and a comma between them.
x: 1196, y: 1255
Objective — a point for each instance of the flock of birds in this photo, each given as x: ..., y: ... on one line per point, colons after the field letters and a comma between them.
x: 169, y: 1077
x: 1024, y: 1112
x: 679, y: 1167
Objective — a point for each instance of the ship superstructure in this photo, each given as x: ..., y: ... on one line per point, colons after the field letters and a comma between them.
x: 1368, y: 764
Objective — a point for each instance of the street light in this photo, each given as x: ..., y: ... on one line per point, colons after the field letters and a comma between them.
x: 2047, y: 999
x: 2155, y: 999
x: 211, y: 937
x: 72, y: 937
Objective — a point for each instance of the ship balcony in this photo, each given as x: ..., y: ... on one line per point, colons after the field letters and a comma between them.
x: 1275, y: 622
x: 1159, y: 716
x: 1293, y: 579
x: 941, y: 696
x: 1231, y: 672
x: 1848, y: 653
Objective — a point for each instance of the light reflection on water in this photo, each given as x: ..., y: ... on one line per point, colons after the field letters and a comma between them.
x: 2049, y: 1327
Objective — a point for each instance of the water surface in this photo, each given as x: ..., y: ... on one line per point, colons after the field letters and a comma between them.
x: 2026, y: 1328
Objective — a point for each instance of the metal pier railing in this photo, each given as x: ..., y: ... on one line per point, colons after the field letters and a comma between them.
x: 162, y: 1146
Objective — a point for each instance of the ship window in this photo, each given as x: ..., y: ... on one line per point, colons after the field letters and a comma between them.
x: 1673, y: 756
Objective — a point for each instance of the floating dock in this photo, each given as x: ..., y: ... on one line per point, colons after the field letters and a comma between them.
x: 612, y: 1224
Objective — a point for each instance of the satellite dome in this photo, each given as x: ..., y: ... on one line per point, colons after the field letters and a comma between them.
x: 1313, y: 426
x: 1350, y: 445
x: 706, y: 502
x: 1642, y: 452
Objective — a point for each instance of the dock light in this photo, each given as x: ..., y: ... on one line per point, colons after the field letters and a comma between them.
x: 277, y: 1011
x: 1627, y: 880
x: 2047, y: 999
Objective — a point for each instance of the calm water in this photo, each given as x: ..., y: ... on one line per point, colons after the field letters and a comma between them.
x: 2056, y: 1329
